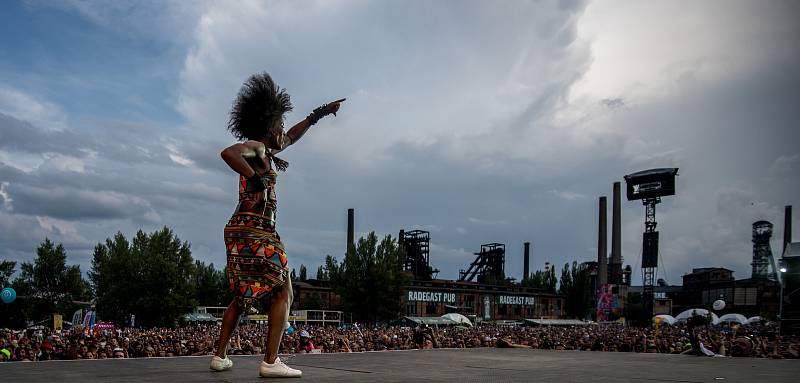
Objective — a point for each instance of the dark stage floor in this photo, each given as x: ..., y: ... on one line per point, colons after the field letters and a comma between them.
x: 461, y: 366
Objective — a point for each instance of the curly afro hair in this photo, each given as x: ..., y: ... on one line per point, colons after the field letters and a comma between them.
x: 259, y: 104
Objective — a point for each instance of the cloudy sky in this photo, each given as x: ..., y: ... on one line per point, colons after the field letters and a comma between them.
x: 478, y: 121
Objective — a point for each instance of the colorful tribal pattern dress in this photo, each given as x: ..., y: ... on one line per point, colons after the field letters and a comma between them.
x: 256, y: 258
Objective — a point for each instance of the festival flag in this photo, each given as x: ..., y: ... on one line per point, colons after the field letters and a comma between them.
x: 58, y: 322
x: 87, y: 319
x: 77, y: 317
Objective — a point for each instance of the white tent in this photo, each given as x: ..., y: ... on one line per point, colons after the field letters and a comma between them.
x: 668, y: 319
x: 682, y: 317
x: 753, y: 320
x: 733, y: 318
x: 458, y: 318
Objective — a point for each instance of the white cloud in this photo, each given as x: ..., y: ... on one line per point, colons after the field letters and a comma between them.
x: 644, y: 50
x: 176, y: 156
x: 567, y: 195
x: 64, y: 163
x: 23, y: 106
x: 785, y: 165
x: 6, y: 197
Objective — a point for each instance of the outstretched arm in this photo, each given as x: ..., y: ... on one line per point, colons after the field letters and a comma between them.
x: 299, y: 129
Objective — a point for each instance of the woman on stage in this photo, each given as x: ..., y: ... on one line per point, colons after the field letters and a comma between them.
x: 257, y: 266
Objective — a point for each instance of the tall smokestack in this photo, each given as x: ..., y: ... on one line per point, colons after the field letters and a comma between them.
x: 526, y: 263
x: 602, y: 250
x: 616, y: 238
x: 787, y: 228
x: 350, y: 227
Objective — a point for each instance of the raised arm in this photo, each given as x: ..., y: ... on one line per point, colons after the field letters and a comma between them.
x: 299, y: 129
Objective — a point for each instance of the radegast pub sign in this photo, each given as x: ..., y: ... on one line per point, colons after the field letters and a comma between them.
x: 514, y: 300
x: 430, y: 296
x: 443, y: 297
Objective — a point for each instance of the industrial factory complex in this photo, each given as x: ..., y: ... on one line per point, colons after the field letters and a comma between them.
x: 482, y: 291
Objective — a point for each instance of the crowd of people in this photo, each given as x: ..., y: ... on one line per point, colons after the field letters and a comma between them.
x: 249, y: 339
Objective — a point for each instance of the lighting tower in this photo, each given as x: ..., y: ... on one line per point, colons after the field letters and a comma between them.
x: 649, y: 186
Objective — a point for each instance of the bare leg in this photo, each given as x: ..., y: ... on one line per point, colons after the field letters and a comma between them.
x: 277, y: 319
x: 229, y: 322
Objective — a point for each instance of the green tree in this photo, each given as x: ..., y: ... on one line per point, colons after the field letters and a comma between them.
x: 7, y: 269
x: 303, y: 273
x: 115, y: 277
x: 211, y: 285
x: 151, y: 277
x: 48, y: 284
x: 331, y: 269
x: 543, y: 280
x: 575, y: 286
x: 370, y: 278
x: 11, y: 315
x: 321, y: 275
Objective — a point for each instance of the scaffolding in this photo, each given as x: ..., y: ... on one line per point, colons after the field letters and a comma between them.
x: 762, y: 252
x: 416, y: 244
x: 488, y: 267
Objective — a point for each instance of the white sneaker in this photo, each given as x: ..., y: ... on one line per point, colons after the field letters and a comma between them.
x: 219, y: 364
x: 278, y: 370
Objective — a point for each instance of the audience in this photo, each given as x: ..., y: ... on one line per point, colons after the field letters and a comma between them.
x: 249, y: 339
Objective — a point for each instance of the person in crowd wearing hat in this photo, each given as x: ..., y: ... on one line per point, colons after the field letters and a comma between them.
x: 305, y: 344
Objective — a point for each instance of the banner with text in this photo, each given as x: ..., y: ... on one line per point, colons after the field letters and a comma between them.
x: 431, y: 296
x: 514, y: 300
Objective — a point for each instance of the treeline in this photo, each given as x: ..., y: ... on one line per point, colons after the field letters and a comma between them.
x: 370, y: 279
x: 152, y: 277
x: 43, y: 287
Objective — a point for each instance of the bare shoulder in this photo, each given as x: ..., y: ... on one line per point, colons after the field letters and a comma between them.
x: 254, y: 145
x: 246, y: 149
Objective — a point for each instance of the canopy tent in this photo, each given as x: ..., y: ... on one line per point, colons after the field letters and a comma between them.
x: 554, y: 322
x: 429, y: 321
x: 458, y: 318
x: 682, y: 317
x: 754, y: 320
x: 668, y: 319
x: 199, y: 317
x: 733, y: 318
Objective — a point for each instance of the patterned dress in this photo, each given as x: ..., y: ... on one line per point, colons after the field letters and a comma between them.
x: 257, y: 262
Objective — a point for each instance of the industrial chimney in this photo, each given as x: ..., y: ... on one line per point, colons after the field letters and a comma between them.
x: 602, y: 250
x: 787, y: 228
x: 616, y: 238
x: 350, y: 227
x: 526, y: 263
